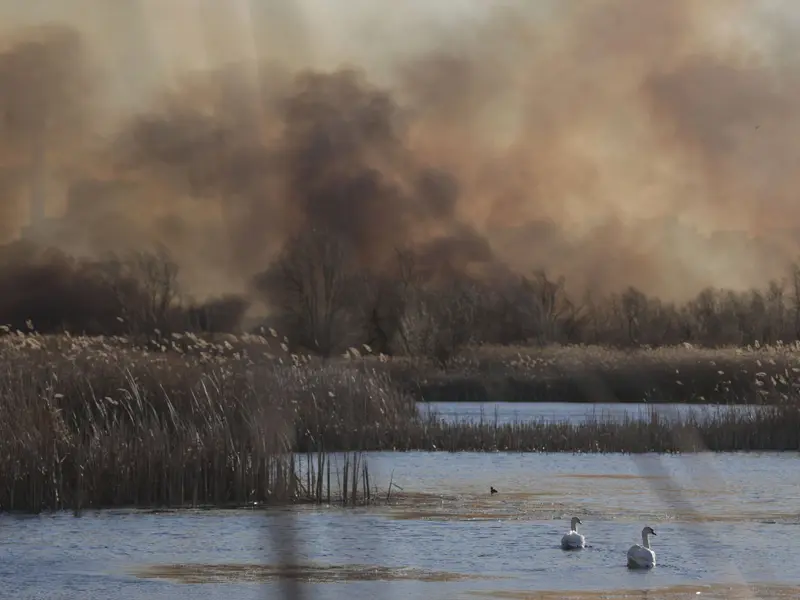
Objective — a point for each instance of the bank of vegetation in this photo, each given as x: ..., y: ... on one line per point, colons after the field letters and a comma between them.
x: 445, y: 335
x: 190, y: 421
x: 417, y: 303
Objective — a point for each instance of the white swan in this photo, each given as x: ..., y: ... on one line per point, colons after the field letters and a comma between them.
x: 573, y: 540
x: 642, y: 557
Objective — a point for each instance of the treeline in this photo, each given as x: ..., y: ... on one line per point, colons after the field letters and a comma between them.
x: 133, y: 293
x: 417, y: 306
x: 325, y: 301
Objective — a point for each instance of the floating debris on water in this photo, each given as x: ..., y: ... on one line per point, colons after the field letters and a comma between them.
x: 255, y: 573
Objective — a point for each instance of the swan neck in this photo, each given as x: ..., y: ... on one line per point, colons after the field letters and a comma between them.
x: 646, y: 540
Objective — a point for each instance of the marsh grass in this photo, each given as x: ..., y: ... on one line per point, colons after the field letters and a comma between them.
x: 184, y: 421
x: 767, y: 428
x: 685, y: 374
x: 95, y: 423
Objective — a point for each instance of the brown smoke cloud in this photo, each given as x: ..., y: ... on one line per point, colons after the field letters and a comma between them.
x: 613, y: 141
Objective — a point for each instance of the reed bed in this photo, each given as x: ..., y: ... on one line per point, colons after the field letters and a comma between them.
x: 184, y: 421
x: 97, y: 423
x: 686, y: 374
x: 767, y: 428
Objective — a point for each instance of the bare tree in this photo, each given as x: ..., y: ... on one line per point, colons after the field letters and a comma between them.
x: 634, y: 310
x: 548, y: 304
x: 795, y: 301
x: 437, y: 323
x: 412, y: 313
x: 145, y: 287
x: 776, y: 310
x: 157, y: 277
x: 316, y: 284
x: 454, y: 316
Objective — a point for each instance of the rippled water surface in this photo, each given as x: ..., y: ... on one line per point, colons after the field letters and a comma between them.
x: 721, y: 520
x: 509, y: 412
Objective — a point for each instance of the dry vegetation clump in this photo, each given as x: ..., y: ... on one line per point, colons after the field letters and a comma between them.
x: 685, y: 373
x: 772, y: 428
x: 102, y: 422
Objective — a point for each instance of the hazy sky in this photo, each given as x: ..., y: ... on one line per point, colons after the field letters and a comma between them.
x: 591, y: 114
x: 155, y: 39
x: 146, y: 42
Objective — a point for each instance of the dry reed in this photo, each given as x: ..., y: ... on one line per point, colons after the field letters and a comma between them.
x: 184, y: 421
x: 769, y: 428
x: 685, y: 373
x: 98, y: 423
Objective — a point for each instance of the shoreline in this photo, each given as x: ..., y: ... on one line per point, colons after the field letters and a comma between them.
x: 643, y: 403
x: 595, y: 374
x: 377, y: 498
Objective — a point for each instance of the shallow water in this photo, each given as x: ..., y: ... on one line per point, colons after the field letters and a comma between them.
x: 557, y: 412
x: 721, y: 520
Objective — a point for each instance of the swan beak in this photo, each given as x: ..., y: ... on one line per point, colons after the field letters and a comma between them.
x: 580, y: 522
x: 653, y: 533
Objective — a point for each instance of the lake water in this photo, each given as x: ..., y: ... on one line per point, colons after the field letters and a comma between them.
x: 722, y: 520
x: 509, y: 412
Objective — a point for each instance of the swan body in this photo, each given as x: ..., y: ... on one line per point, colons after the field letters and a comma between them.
x: 641, y: 556
x: 573, y: 540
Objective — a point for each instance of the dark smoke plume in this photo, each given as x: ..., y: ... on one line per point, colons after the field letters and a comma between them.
x: 336, y: 158
x: 44, y: 83
x: 616, y: 142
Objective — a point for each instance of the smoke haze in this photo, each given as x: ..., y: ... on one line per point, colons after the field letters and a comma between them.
x: 616, y: 142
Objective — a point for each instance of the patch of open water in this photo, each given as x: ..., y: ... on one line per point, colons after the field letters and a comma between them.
x: 722, y: 520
